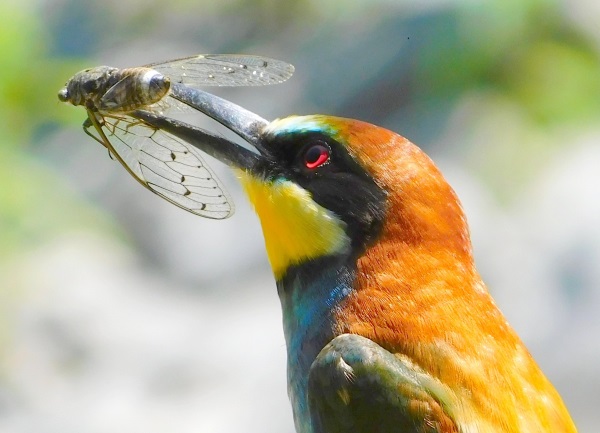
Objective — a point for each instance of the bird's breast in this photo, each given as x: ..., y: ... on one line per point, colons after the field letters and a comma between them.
x: 310, y: 296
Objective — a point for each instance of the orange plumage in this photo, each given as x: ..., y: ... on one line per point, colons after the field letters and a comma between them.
x: 419, y: 296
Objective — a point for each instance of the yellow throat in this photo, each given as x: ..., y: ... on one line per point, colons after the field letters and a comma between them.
x: 294, y: 226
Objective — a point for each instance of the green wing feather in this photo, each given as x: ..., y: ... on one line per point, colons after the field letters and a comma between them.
x: 357, y: 386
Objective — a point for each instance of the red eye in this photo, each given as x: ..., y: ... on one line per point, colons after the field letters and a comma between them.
x: 316, y: 155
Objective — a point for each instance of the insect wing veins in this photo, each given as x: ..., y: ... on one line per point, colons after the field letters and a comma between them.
x: 166, y: 165
x: 225, y: 70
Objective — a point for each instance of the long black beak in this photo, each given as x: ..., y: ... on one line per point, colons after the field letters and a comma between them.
x: 244, y: 123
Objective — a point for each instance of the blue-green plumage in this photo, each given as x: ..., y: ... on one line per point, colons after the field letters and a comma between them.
x: 341, y: 383
x: 310, y: 295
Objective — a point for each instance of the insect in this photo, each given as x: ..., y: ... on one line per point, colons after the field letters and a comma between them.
x: 165, y: 164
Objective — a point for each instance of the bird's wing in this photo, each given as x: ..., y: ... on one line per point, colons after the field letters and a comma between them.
x: 357, y: 386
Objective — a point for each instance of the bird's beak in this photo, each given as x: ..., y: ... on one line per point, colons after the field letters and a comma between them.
x: 244, y: 123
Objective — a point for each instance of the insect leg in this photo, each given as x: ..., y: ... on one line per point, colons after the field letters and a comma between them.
x: 87, y: 124
x: 97, y: 124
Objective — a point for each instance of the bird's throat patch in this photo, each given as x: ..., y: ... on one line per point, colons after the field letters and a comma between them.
x: 295, y: 228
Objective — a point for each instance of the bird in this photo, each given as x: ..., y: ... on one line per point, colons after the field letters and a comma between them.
x: 389, y: 327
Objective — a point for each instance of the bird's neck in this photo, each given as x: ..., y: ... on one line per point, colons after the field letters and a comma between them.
x: 310, y: 295
x: 430, y: 306
x: 417, y: 294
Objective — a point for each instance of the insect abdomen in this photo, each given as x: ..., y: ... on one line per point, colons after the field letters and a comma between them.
x: 135, y: 88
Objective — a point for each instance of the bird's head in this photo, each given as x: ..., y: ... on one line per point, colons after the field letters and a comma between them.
x: 327, y: 186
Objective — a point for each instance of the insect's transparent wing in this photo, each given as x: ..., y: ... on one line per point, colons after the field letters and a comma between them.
x: 225, y: 70
x: 168, y: 166
x: 171, y: 106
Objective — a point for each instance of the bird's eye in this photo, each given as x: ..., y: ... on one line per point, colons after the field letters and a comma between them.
x: 316, y: 155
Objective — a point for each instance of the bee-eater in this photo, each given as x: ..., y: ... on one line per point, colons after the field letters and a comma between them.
x: 388, y: 325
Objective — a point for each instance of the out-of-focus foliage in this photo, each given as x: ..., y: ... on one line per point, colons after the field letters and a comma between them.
x: 111, y: 336
x: 27, y: 76
x: 35, y: 202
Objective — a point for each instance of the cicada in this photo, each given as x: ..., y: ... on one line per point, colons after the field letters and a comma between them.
x: 166, y: 165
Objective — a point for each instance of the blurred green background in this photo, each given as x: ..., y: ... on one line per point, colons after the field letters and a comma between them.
x: 121, y: 313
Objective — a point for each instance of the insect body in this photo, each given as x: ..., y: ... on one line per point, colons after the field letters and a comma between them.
x: 168, y: 166
x: 108, y: 89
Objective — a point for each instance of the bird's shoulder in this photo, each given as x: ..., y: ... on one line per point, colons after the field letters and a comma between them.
x: 357, y: 386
